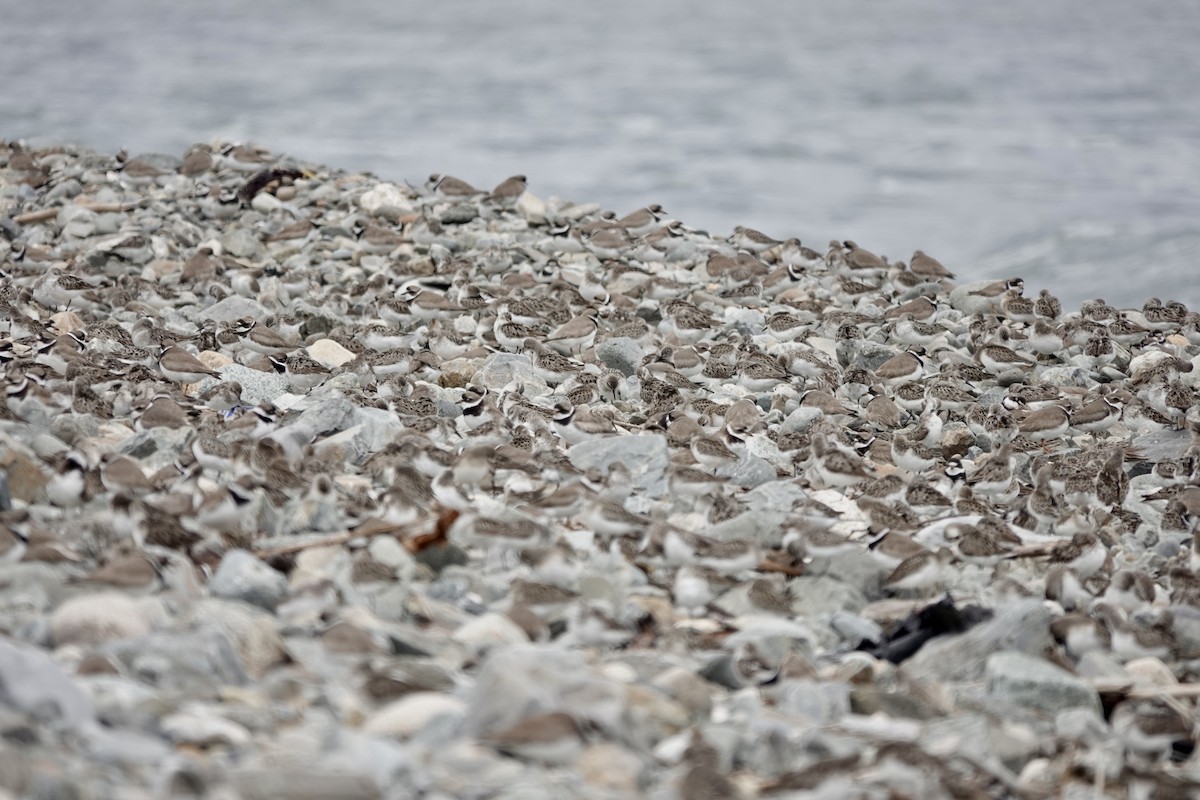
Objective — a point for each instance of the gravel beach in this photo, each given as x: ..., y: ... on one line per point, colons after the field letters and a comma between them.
x: 318, y: 485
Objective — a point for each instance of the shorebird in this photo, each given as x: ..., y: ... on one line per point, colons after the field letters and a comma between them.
x: 180, y: 366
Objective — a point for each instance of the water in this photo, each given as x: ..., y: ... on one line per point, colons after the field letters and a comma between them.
x: 1059, y: 141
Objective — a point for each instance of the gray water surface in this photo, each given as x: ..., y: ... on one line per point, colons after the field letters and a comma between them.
x: 1059, y: 141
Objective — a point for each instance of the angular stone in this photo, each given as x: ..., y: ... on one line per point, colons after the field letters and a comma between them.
x: 1035, y: 683
x: 1022, y: 626
x: 242, y: 576
x: 32, y: 683
x: 645, y: 454
x: 234, y: 308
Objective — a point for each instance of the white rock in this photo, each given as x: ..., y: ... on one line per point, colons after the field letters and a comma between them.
x: 411, y: 713
x: 96, y: 618
x: 489, y: 630
x: 385, y: 195
x: 202, y: 727
x: 329, y: 353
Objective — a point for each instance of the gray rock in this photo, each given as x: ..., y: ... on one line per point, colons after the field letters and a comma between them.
x: 1037, y: 684
x: 1186, y: 627
x: 242, y: 576
x: 1162, y: 445
x: 459, y: 214
x: 32, y: 683
x: 327, y: 412
x: 748, y: 471
x: 823, y: 596
x: 303, y: 784
x: 250, y: 630
x: 1064, y: 376
x: 1022, y: 626
x: 241, y: 243
x: 233, y: 308
x: 501, y: 369
x: 871, y: 355
x: 622, y: 354
x: 645, y: 454
x: 818, y: 701
x: 257, y: 386
x: 188, y: 661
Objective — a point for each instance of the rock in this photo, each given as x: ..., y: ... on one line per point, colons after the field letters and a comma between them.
x: 303, y: 783
x: 241, y: 243
x: 1035, y: 683
x: 329, y: 353
x: 1021, y: 626
x: 871, y: 355
x: 611, y: 769
x: 621, y: 353
x: 489, y: 630
x: 202, y: 727
x: 326, y: 413
x: 242, y: 576
x: 257, y: 386
x: 233, y: 308
x: 384, y: 195
x: 250, y: 630
x: 645, y: 454
x: 1064, y: 376
x: 24, y: 475
x: 33, y: 684
x: 93, y: 619
x: 501, y: 369
x: 458, y: 373
x: 748, y: 471
x: 407, y: 716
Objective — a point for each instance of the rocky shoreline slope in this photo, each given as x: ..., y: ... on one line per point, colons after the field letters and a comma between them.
x: 316, y: 485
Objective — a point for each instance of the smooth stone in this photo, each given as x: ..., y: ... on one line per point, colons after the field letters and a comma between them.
x: 242, y: 576
x: 233, y: 308
x: 644, y: 454
x: 34, y: 684
x: 329, y: 353
x: 1022, y: 626
x: 405, y: 717
x: 459, y: 214
x: 1162, y: 445
x: 1035, y: 683
x: 621, y: 353
x: 93, y: 619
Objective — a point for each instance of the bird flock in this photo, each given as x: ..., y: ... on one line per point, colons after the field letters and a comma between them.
x: 653, y: 434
